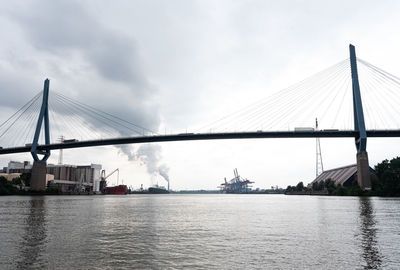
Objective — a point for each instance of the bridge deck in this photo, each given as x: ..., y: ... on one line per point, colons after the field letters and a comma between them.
x: 205, y: 136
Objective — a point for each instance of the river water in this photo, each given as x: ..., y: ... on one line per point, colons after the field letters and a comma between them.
x: 199, y: 232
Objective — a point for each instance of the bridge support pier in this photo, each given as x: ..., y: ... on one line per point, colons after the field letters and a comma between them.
x: 363, y: 173
x: 38, y: 177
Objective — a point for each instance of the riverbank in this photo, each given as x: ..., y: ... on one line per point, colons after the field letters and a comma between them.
x: 309, y: 192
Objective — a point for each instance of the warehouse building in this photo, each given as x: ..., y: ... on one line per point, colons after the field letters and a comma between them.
x: 18, y: 167
x: 343, y: 176
x: 71, y: 178
x: 68, y: 178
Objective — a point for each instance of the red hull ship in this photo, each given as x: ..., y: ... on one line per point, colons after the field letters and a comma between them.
x: 116, y: 190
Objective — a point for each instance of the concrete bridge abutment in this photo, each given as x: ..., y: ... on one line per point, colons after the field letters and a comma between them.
x: 363, y: 173
x: 38, y: 176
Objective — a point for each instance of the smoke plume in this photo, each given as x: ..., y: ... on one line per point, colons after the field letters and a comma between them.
x: 151, y: 156
x: 127, y: 150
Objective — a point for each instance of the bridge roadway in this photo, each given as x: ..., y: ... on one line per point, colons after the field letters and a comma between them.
x: 205, y: 136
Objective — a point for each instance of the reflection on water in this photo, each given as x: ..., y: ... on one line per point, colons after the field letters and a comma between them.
x: 199, y: 232
x: 34, y: 238
x: 371, y: 254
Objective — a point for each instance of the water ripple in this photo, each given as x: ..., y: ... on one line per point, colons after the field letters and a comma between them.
x: 199, y: 232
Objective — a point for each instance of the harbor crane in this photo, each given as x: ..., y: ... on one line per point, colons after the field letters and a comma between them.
x: 103, y: 177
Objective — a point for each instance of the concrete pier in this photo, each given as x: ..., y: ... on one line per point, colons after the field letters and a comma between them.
x: 363, y: 173
x: 38, y: 178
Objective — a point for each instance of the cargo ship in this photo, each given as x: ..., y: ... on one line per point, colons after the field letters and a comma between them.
x: 116, y: 190
x: 113, y: 190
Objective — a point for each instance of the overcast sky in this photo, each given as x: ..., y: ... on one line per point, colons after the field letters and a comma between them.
x: 174, y: 66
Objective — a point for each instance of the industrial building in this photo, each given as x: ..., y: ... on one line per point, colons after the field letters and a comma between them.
x: 18, y: 167
x: 76, y: 178
x: 343, y: 176
x: 68, y: 178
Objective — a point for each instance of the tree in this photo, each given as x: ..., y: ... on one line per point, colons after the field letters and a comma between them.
x: 330, y: 185
x: 388, y: 178
x: 315, y: 185
x: 17, y: 181
x: 321, y: 185
x: 380, y: 168
x: 340, y: 191
x: 355, y: 190
x: 6, y: 187
x: 300, y: 186
x: 26, y: 178
x: 290, y: 188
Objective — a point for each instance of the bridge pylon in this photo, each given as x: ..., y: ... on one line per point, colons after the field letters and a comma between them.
x: 38, y: 178
x: 363, y: 173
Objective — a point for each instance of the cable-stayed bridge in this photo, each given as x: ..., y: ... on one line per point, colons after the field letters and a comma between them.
x: 333, y: 95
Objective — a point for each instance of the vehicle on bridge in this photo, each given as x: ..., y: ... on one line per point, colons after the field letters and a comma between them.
x: 70, y: 140
x: 303, y: 129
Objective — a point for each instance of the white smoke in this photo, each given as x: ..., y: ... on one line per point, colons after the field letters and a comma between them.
x: 127, y: 150
x: 163, y: 170
x: 149, y: 155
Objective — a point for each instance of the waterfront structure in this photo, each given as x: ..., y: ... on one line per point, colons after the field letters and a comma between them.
x: 68, y: 178
x: 343, y: 176
x: 38, y: 176
x: 18, y: 167
x: 71, y: 178
x: 363, y: 174
x: 237, y: 184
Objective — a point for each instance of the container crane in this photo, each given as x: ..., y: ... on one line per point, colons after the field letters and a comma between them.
x: 236, y: 184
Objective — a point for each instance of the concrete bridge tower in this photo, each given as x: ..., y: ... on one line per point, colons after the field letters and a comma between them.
x: 363, y: 174
x: 38, y: 178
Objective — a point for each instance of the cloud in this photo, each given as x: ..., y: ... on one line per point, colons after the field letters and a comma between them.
x: 67, y: 34
x: 112, y: 54
x: 91, y: 46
